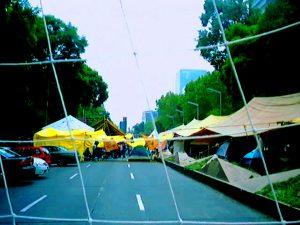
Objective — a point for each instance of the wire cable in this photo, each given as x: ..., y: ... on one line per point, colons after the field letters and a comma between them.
x: 227, y: 43
x: 247, y: 110
x: 53, y: 61
x: 65, y: 113
x: 148, y: 105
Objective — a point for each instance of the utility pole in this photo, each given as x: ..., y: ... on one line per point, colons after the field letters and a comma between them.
x: 197, y: 105
x: 220, y: 93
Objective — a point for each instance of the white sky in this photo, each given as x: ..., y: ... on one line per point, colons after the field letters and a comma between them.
x: 163, y: 33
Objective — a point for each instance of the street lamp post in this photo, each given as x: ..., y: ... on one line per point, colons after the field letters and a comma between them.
x: 181, y: 112
x: 172, y: 117
x: 197, y: 105
x: 218, y: 92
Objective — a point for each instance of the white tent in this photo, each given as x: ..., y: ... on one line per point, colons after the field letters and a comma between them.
x: 74, y: 124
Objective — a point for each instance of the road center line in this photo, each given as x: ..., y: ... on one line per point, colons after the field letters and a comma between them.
x: 33, y: 203
x: 131, y: 176
x: 128, y: 165
x: 140, y: 202
x: 88, y: 165
x: 73, y: 176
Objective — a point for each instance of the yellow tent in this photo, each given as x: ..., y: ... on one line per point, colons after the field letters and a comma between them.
x: 136, y: 142
x: 111, y: 142
x: 82, y: 139
x: 195, y: 126
x: 53, y: 137
x: 98, y: 135
x: 128, y: 136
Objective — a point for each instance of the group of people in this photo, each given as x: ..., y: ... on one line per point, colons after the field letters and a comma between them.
x: 99, y: 153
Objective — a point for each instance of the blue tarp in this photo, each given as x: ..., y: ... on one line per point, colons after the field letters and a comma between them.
x: 254, y: 154
x: 222, y: 151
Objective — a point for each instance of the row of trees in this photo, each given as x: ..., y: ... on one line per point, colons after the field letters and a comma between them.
x: 28, y: 95
x: 266, y: 66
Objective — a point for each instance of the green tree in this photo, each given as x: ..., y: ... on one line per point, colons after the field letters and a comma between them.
x: 92, y: 115
x: 166, y: 107
x: 265, y: 65
x: 231, y: 12
x: 29, y: 94
x: 138, y: 129
x: 209, y: 103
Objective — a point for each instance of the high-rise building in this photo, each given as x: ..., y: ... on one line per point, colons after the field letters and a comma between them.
x: 123, y: 125
x: 185, y: 76
x: 147, y: 116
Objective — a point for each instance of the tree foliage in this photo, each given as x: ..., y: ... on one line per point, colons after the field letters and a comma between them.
x: 231, y: 12
x: 265, y: 65
x: 166, y: 107
x: 197, y: 92
x: 29, y: 94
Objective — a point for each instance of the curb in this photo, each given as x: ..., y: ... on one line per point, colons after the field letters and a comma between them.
x: 255, y: 201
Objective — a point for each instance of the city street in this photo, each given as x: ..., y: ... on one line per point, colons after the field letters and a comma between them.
x: 121, y: 191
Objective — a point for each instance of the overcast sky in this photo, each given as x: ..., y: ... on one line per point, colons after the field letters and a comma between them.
x: 163, y: 33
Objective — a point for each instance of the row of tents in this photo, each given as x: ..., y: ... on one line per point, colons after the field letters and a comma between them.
x: 267, y: 113
x: 73, y: 134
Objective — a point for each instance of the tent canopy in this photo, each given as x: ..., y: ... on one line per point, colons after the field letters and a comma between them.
x: 266, y: 112
x: 196, y: 126
x: 255, y: 154
x: 222, y: 151
x: 109, y: 128
x: 74, y: 124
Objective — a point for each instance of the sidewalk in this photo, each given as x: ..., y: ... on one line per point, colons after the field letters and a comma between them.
x: 255, y: 184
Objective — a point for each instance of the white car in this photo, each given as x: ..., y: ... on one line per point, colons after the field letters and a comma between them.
x: 41, y: 167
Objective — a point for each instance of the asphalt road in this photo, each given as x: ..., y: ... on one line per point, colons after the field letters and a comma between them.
x: 121, y: 191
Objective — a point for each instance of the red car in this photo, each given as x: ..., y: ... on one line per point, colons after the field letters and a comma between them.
x: 38, y: 152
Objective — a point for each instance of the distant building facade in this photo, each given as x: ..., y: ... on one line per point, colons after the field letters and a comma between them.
x: 147, y: 115
x: 185, y: 76
x: 123, y: 125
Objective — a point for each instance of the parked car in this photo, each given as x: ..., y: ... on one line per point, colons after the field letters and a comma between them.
x: 139, y: 153
x: 61, y: 156
x: 37, y: 152
x: 41, y: 166
x: 15, y: 165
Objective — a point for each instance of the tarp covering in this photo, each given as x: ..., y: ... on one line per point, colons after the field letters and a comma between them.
x: 98, y: 135
x: 196, y: 126
x: 222, y: 151
x: 53, y: 137
x: 129, y: 136
x: 136, y: 142
x: 227, y: 171
x: 266, y: 112
x: 74, y: 124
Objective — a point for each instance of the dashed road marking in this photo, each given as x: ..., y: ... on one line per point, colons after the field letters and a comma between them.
x: 33, y: 203
x: 140, y: 202
x: 73, y: 176
x: 88, y: 165
x: 131, y: 176
x: 128, y: 165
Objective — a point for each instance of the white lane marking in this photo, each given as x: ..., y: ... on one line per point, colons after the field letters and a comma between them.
x: 73, y: 176
x: 88, y: 165
x: 33, y: 203
x: 128, y: 165
x: 98, y: 195
x: 140, y: 202
x: 131, y: 176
